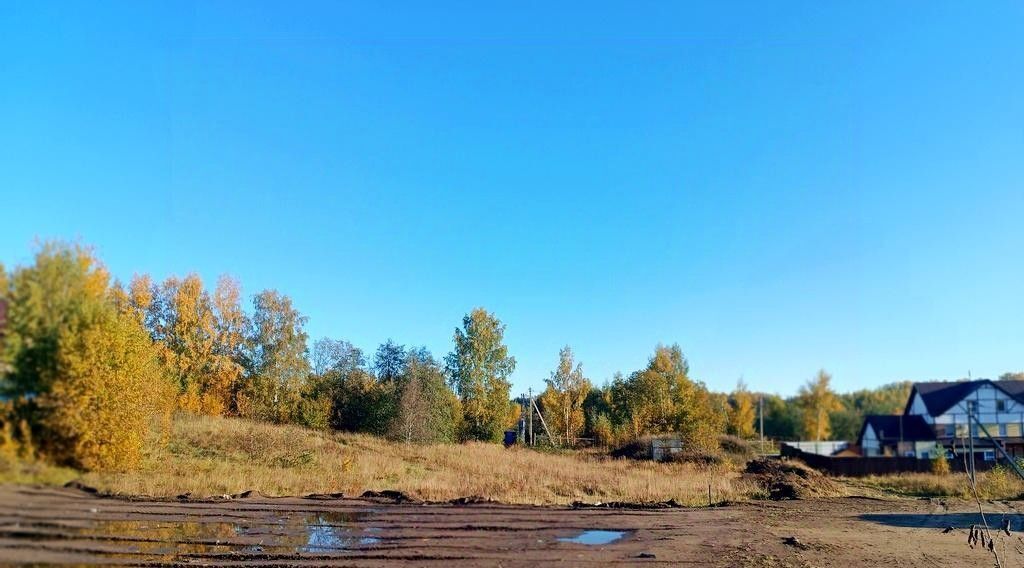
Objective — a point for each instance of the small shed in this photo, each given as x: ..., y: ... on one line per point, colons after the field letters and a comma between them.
x: 663, y: 448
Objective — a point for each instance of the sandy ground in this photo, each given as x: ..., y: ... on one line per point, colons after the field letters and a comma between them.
x: 68, y: 526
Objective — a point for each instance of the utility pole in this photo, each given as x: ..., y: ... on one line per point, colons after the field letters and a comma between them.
x: 551, y: 439
x: 970, y: 439
x: 529, y: 425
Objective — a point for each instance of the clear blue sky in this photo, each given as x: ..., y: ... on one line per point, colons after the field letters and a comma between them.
x: 777, y: 187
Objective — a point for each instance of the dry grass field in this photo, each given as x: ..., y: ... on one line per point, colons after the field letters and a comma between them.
x: 208, y: 456
x: 999, y: 483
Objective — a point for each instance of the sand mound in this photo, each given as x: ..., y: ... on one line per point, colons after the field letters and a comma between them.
x: 788, y: 479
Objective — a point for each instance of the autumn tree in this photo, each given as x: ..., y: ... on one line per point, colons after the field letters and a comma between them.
x: 136, y: 300
x: 742, y: 412
x: 563, y: 399
x: 817, y: 401
x: 84, y: 375
x: 183, y: 321
x: 427, y: 410
x: 662, y: 398
x: 199, y: 337
x: 276, y: 368
x: 479, y: 369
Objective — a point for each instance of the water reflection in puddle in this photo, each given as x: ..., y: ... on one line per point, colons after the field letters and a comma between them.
x: 595, y: 537
x: 329, y: 532
x: 321, y: 532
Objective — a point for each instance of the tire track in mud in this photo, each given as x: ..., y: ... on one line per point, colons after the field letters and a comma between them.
x: 66, y: 526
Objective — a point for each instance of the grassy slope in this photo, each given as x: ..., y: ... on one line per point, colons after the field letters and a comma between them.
x: 213, y: 456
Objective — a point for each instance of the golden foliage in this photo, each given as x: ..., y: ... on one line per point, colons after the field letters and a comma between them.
x: 198, y: 338
x: 102, y: 411
x: 563, y: 398
x: 663, y: 399
x: 940, y: 465
x: 86, y: 378
x: 741, y: 412
x: 817, y: 401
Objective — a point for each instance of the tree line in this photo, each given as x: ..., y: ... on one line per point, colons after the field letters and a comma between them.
x: 91, y: 370
x: 663, y: 399
x: 88, y: 366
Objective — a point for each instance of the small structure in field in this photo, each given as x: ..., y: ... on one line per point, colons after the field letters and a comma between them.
x: 663, y: 448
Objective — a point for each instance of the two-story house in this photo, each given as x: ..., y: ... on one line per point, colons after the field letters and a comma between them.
x: 937, y: 413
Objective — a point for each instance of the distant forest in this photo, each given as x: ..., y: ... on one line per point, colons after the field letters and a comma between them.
x: 91, y: 369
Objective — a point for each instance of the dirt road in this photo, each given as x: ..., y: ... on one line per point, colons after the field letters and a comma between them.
x: 68, y: 526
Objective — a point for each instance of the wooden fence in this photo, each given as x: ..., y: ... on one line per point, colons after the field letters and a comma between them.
x: 861, y: 466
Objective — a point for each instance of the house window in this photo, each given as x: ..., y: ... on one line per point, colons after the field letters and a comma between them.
x: 908, y: 454
x: 926, y: 455
x: 972, y: 406
x: 1002, y: 430
x: 950, y: 430
x: 989, y: 455
x: 1000, y: 405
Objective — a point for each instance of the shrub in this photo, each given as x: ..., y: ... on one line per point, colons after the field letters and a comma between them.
x: 99, y: 414
x: 85, y: 380
x: 315, y: 412
x: 603, y: 431
x: 736, y: 446
x: 940, y: 465
x: 999, y: 483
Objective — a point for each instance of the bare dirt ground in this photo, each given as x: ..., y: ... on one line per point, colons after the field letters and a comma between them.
x: 69, y: 526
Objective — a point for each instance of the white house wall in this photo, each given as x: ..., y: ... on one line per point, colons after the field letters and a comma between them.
x: 986, y: 397
x: 917, y: 407
x: 869, y: 443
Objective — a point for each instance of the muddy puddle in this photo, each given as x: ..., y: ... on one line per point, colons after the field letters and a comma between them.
x: 317, y: 533
x: 333, y: 531
x: 595, y: 537
x: 46, y: 526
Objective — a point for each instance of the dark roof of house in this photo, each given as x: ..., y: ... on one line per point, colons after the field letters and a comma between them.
x: 939, y: 396
x: 889, y: 428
